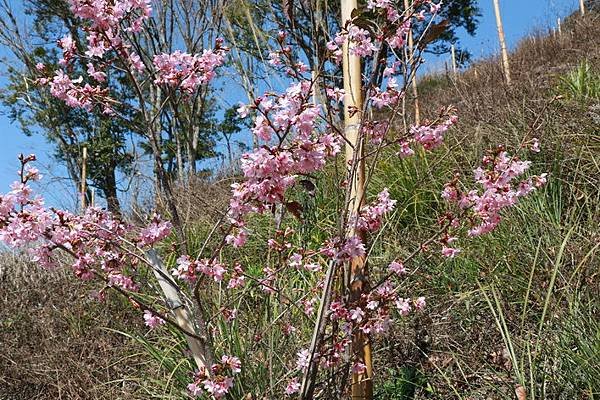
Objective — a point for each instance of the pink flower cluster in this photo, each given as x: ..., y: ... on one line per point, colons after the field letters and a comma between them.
x: 187, y: 72
x: 188, y: 269
x: 499, y: 189
x: 152, y: 320
x: 365, y: 44
x: 219, y: 381
x: 95, y: 239
x: 73, y: 93
x: 105, y: 15
x: 110, y: 22
x: 155, y: 232
x: 371, y: 314
x: 271, y: 170
x: 388, y: 97
x: 371, y: 216
x: 431, y: 136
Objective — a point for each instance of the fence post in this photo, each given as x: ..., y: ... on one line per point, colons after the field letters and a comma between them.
x: 502, y: 41
x: 83, y: 177
x: 415, y: 91
x: 452, y: 51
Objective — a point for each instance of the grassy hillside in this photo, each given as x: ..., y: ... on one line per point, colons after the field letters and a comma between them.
x: 517, y: 310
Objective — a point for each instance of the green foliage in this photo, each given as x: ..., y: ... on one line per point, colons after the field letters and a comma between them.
x: 401, y: 384
x: 582, y: 84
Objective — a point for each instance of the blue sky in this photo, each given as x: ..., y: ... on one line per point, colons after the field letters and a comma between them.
x: 520, y: 17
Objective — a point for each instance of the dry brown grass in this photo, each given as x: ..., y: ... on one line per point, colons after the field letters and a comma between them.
x: 52, y: 337
x: 52, y: 341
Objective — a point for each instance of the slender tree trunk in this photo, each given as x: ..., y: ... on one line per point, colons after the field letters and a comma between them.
x: 162, y: 177
x: 362, y: 383
x: 179, y: 156
x: 415, y: 91
x: 502, y: 41
x: 110, y: 193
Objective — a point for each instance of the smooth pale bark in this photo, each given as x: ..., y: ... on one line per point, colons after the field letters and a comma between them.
x: 503, y: 49
x: 415, y: 91
x: 200, y: 351
x: 362, y: 384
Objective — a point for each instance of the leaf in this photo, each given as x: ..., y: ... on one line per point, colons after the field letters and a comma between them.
x: 434, y: 32
x: 295, y: 208
x: 364, y: 22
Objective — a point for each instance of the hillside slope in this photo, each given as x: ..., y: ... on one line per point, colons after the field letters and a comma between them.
x: 517, y: 310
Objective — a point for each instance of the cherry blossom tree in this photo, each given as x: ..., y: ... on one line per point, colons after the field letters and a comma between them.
x: 348, y: 301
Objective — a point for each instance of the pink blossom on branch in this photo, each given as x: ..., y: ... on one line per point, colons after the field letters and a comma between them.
x: 187, y: 72
x: 152, y: 320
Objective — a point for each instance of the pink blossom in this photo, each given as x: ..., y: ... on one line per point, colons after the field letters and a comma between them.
x: 420, y: 303
x: 218, y: 388
x: 371, y: 216
x: 405, y: 150
x: 403, y: 306
x: 450, y: 252
x: 352, y: 247
x: 185, y: 71
x: 303, y: 357
x: 431, y: 136
x: 233, y: 363
x: 239, y: 239
x: 397, y: 268
x: 293, y: 386
x: 155, y: 232
x: 152, y: 320
x: 498, y: 191
x: 357, y: 314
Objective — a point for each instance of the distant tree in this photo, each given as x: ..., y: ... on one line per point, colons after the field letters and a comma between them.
x: 37, y: 112
x: 310, y: 24
x: 183, y: 132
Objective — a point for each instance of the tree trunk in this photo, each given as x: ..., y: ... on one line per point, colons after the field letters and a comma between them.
x: 162, y: 177
x: 362, y: 383
x: 110, y: 193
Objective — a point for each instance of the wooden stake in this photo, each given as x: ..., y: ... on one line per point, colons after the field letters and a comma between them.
x: 415, y: 91
x: 362, y: 383
x: 453, y: 59
x: 93, y: 201
x: 558, y: 26
x: 83, y: 177
x: 581, y: 7
x: 502, y: 41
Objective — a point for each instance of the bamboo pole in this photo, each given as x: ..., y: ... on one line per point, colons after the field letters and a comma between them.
x: 83, y: 177
x: 362, y: 383
x: 502, y: 41
x: 415, y: 91
x: 581, y: 7
x: 453, y: 53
